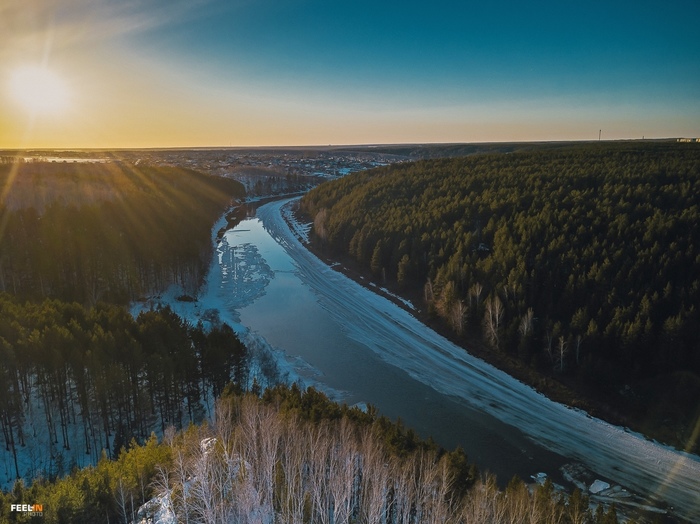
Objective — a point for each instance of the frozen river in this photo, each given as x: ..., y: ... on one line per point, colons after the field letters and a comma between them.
x: 347, y: 339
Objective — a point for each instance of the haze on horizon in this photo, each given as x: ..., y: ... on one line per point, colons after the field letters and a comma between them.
x: 158, y: 73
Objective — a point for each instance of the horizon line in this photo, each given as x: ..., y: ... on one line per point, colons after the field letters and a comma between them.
x: 338, y: 146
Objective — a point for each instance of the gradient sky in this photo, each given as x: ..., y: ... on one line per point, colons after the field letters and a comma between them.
x: 179, y: 73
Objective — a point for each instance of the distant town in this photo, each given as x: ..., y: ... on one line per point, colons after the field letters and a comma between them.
x: 261, y: 170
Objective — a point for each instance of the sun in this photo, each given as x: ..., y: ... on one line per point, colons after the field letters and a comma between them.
x: 39, y: 90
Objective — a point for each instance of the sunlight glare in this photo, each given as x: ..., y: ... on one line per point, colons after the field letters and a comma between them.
x: 39, y: 90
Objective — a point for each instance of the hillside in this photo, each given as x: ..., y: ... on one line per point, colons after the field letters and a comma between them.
x: 78, y: 381
x: 114, y: 231
x: 80, y: 375
x: 294, y: 456
x: 581, y: 263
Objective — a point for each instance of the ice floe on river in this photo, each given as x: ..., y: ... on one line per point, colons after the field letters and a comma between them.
x: 238, y: 275
x: 621, y: 457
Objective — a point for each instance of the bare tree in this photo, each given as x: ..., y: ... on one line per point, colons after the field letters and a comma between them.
x: 447, y: 299
x: 442, y: 505
x: 201, y: 486
x: 518, y: 504
x: 484, y: 504
x: 266, y: 467
x: 457, y: 315
x: 320, y: 224
x: 578, y: 348
x: 493, y: 319
x: 122, y: 495
x: 374, y: 479
x: 428, y: 292
x: 343, y: 470
x: 403, y: 480
x: 270, y: 435
x: 295, y: 459
x: 549, y: 340
x: 180, y: 493
x: 526, y: 321
x: 475, y: 292
x: 562, y: 352
x: 319, y: 470
x: 425, y: 490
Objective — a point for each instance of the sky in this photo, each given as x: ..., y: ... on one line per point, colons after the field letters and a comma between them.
x: 198, y: 73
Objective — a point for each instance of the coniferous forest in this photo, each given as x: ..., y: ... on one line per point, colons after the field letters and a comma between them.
x: 77, y: 243
x: 581, y: 262
x: 112, y: 232
x: 490, y: 241
x: 112, y: 376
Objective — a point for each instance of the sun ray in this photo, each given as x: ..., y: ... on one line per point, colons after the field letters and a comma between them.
x: 4, y: 191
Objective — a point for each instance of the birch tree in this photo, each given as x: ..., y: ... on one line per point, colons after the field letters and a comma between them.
x: 342, y: 471
x: 374, y: 479
x: 475, y: 293
x: 457, y: 316
x: 294, y: 461
x: 526, y: 321
x: 493, y: 320
x: 562, y: 352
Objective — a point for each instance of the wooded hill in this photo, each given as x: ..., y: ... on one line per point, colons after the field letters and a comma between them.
x: 294, y: 457
x: 114, y: 231
x: 581, y: 261
x: 88, y: 374
x: 91, y: 379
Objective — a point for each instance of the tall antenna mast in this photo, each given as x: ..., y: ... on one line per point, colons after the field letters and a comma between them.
x: 599, y: 133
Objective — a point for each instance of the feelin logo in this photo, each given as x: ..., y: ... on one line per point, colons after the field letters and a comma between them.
x: 35, y: 510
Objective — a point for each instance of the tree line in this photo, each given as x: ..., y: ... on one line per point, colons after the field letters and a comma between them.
x: 112, y: 232
x: 580, y: 261
x: 295, y: 457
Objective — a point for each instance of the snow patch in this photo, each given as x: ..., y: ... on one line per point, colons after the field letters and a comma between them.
x: 237, y: 276
x: 158, y: 510
x: 301, y: 231
x: 398, y: 338
x: 598, y: 486
x: 539, y: 478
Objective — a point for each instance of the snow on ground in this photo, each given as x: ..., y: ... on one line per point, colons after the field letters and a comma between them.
x: 40, y: 454
x: 598, y: 486
x: 237, y: 276
x: 611, y: 452
x: 158, y: 510
x: 300, y: 230
x: 394, y: 296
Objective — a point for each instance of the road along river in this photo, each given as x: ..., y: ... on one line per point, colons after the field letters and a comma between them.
x: 351, y: 340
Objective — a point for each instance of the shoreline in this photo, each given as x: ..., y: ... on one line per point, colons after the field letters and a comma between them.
x: 591, y: 402
x: 597, y: 435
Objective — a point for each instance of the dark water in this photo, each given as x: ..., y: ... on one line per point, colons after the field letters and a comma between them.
x: 366, y: 349
x: 293, y: 315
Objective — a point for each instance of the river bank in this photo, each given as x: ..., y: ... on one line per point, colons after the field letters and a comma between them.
x: 597, y: 438
x: 334, y: 332
x: 598, y: 402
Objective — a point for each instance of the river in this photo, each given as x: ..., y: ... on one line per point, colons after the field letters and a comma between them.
x: 340, y: 335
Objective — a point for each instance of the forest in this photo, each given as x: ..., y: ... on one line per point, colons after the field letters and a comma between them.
x: 293, y: 456
x: 581, y: 262
x: 106, y: 232
x: 78, y: 242
x: 95, y: 378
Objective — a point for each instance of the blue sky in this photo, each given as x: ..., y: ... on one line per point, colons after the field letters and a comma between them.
x: 575, y: 47
x: 292, y: 71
